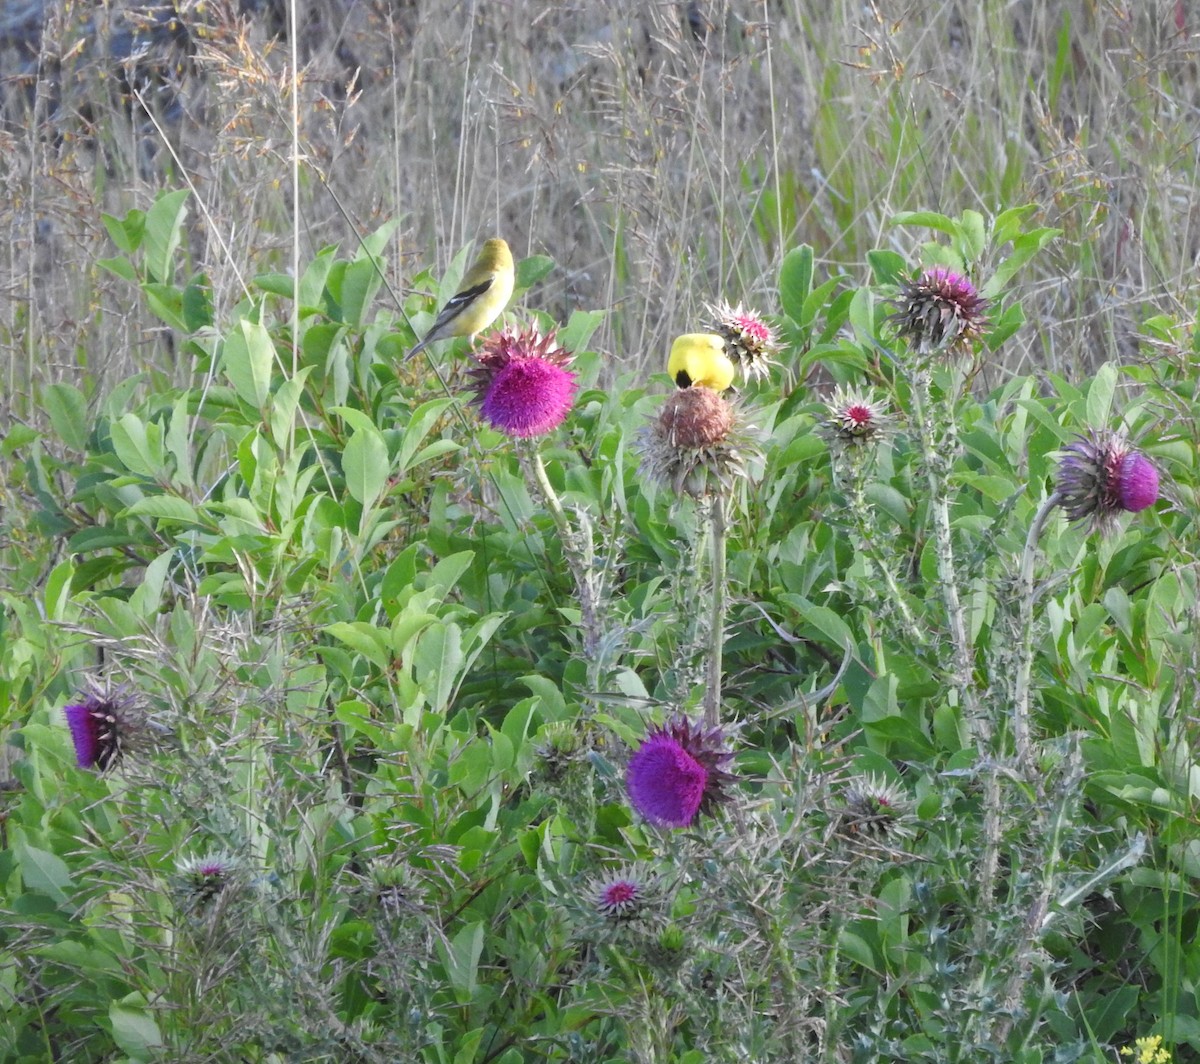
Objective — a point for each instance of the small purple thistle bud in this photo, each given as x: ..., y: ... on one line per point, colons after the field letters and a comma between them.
x: 677, y: 773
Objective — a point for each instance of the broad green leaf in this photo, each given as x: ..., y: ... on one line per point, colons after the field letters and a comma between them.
x: 365, y: 465
x: 125, y: 232
x: 147, y: 596
x: 887, y: 267
x: 249, y: 360
x: 138, y: 445
x: 135, y: 1031
x: 461, y: 957
x: 369, y: 641
x: 532, y: 270
x: 795, y: 282
x: 58, y: 590
x: 449, y: 571
x: 424, y: 419
x: 68, y: 412
x: 974, y: 235
x: 165, y: 508
x: 1100, y: 396
x: 43, y: 872
x: 862, y: 315
x: 926, y: 219
x: 283, y: 406
x: 164, y: 225
x: 438, y: 663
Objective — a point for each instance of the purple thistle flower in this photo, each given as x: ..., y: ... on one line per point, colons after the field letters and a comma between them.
x: 1100, y: 476
x: 940, y: 309
x: 522, y: 386
x: 677, y: 773
x: 98, y: 730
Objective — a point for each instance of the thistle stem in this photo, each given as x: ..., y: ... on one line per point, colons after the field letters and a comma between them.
x: 1024, y: 636
x: 718, y: 521
x: 577, y: 548
x: 963, y: 655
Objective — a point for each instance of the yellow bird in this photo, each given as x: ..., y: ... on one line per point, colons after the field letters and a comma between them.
x: 700, y: 358
x: 485, y: 291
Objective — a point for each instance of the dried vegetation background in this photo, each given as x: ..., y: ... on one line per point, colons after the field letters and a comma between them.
x: 663, y: 154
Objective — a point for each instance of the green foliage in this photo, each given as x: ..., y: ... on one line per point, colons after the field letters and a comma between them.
x: 380, y: 669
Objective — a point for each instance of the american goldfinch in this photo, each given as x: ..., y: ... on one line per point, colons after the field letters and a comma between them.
x: 485, y: 291
x: 700, y: 358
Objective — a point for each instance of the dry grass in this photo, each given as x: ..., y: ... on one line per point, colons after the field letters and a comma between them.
x: 659, y: 170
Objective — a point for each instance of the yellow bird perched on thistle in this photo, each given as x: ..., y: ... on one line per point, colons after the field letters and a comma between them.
x: 484, y: 292
x: 700, y: 359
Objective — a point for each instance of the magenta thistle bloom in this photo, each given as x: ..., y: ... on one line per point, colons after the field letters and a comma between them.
x: 677, y: 773
x: 522, y: 386
x: 940, y: 310
x: 749, y: 341
x: 99, y: 728
x: 1100, y: 476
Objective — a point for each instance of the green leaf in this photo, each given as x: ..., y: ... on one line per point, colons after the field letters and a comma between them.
x: 974, y: 235
x: 164, y: 227
x: 365, y: 464
x: 532, y: 270
x: 1024, y: 248
x: 122, y: 268
x: 1100, y: 396
x: 138, y: 445
x: 424, y: 419
x: 449, y: 571
x: 43, y: 872
x: 68, y: 412
x: 165, y: 508
x: 438, y: 663
x: 146, y: 599
x: 248, y: 360
x: 135, y: 1031
x: 125, y: 232
x: 862, y: 316
x: 284, y: 404
x: 887, y: 267
x: 795, y: 281
x: 365, y: 638
x: 461, y: 957
x: 926, y: 219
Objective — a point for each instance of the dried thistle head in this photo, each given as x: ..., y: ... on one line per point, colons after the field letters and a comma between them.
x: 696, y: 444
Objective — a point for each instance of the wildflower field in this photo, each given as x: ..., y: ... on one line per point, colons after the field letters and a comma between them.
x: 774, y: 638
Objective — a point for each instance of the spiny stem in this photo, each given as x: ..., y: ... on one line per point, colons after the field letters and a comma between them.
x: 1024, y: 635
x: 978, y: 725
x: 716, y: 636
x: 577, y: 548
